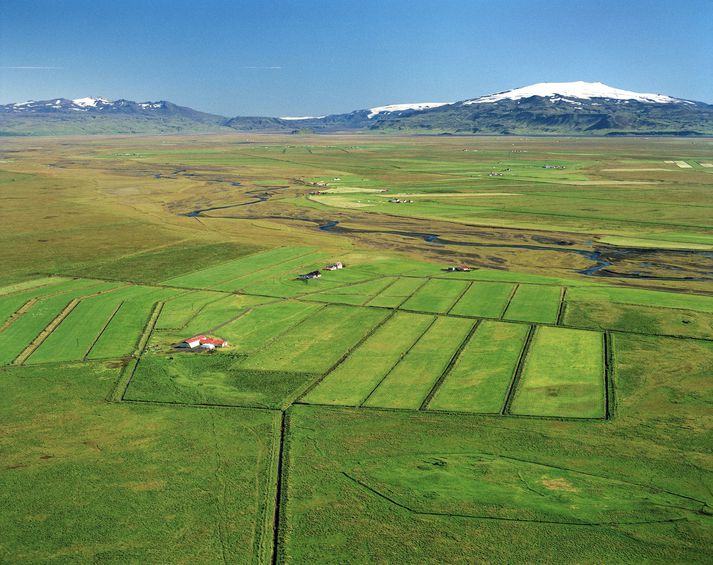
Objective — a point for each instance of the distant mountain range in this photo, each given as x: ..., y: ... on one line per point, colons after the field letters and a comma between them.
x: 564, y: 108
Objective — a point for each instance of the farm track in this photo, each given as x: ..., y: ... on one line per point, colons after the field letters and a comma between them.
x: 449, y: 367
x: 280, y: 488
x: 515, y: 381
x: 44, y: 334
x: 609, y: 391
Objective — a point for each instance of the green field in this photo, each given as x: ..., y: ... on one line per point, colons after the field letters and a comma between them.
x: 531, y: 410
x: 563, y: 375
x: 480, y: 378
x: 409, y: 383
x: 534, y: 303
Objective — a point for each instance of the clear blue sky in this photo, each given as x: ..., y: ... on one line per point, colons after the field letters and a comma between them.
x: 312, y: 57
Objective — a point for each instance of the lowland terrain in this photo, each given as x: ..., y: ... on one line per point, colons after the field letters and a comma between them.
x: 553, y: 403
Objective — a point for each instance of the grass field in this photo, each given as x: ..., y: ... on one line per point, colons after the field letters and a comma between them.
x: 480, y: 378
x: 563, y: 375
x: 552, y: 405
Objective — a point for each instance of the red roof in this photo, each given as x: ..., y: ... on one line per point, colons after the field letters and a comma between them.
x: 204, y: 339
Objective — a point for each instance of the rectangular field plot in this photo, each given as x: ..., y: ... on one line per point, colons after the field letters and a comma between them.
x: 599, y: 315
x: 480, y: 379
x: 534, y: 303
x: 392, y: 296
x: 284, y: 284
x: 352, y: 381
x: 316, y: 344
x: 436, y: 296
x: 354, y: 294
x: 484, y: 300
x: 563, y: 375
x: 189, y: 378
x: 212, y: 276
x: 16, y: 337
x: 410, y: 382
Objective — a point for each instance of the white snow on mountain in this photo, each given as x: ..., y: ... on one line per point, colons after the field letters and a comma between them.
x: 401, y: 107
x: 90, y: 102
x: 579, y: 89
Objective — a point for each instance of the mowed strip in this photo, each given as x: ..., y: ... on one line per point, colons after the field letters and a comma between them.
x: 207, y: 278
x: 436, y: 296
x: 27, y: 327
x: 484, y: 300
x: 355, y: 294
x: 563, y: 375
x: 534, y: 303
x: 392, y: 296
x: 316, y: 344
x: 352, y: 381
x: 288, y: 269
x: 481, y: 376
x: 262, y: 324
x: 409, y: 383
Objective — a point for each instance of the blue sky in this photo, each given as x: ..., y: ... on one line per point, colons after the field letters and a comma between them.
x: 312, y: 57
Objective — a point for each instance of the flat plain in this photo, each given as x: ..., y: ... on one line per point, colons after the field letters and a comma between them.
x: 551, y: 404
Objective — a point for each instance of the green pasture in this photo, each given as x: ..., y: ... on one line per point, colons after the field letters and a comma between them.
x: 202, y: 378
x: 480, y: 378
x: 534, y: 303
x: 352, y: 381
x: 563, y: 375
x: 320, y: 341
x: 355, y: 294
x: 484, y: 300
x: 394, y: 295
x: 436, y: 296
x: 409, y: 383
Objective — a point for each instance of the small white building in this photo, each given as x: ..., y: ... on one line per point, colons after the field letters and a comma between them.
x: 334, y: 266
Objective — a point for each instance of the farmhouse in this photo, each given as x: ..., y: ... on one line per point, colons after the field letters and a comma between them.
x: 202, y: 342
x: 335, y: 266
x: 308, y: 276
x: 458, y: 269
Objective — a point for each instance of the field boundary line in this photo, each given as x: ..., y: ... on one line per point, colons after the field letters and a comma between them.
x: 562, y: 306
x: 457, y: 300
x: 401, y: 357
x: 101, y: 332
x: 198, y: 312
x: 263, y: 545
x: 18, y: 313
x: 45, y: 333
x: 517, y: 373
x: 314, y: 252
x: 513, y: 292
x: 280, y: 488
x: 454, y: 359
x: 344, y: 357
x: 609, y: 398
x: 127, y: 373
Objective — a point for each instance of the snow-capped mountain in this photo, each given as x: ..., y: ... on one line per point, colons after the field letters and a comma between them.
x: 556, y: 108
x: 100, y: 115
x: 579, y: 90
